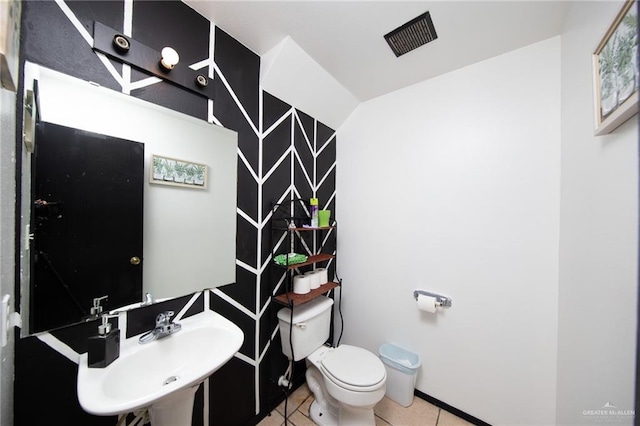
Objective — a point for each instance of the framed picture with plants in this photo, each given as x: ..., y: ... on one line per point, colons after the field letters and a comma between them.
x: 615, y: 72
x: 174, y: 172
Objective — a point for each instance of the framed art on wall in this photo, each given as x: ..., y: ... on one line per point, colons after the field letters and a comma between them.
x: 615, y: 72
x: 174, y: 172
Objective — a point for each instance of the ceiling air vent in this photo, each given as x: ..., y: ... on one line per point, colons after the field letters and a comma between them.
x: 412, y: 35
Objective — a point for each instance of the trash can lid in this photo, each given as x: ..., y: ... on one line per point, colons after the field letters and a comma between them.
x: 354, y: 366
x: 400, y: 358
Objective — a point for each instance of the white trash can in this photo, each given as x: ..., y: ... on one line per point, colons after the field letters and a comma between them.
x: 402, y: 368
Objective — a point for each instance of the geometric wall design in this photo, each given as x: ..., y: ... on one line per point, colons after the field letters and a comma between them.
x: 283, y: 153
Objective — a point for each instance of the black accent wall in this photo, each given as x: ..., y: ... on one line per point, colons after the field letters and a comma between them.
x: 274, y: 163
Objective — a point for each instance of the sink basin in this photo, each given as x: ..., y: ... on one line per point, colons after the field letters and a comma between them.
x: 158, y: 371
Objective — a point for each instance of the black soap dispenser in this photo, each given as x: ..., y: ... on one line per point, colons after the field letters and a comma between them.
x: 104, y: 348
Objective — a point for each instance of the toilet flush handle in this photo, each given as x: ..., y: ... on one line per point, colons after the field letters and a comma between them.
x: 301, y: 325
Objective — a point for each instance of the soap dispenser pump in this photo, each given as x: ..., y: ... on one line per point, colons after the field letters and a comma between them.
x: 96, y: 309
x: 104, y: 348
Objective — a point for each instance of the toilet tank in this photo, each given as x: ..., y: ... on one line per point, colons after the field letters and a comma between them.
x: 311, y: 324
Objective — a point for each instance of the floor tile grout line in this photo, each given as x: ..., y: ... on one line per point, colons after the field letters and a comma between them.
x: 385, y: 420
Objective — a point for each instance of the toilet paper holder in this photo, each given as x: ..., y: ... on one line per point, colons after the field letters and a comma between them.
x: 443, y: 301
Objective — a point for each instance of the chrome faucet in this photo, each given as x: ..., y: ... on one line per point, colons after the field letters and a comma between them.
x: 163, y: 328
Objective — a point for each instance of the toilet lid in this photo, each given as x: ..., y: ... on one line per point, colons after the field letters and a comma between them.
x: 354, y: 366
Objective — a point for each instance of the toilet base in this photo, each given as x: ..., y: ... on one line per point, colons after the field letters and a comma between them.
x: 352, y: 416
x: 324, y: 417
x: 321, y: 416
x: 326, y: 411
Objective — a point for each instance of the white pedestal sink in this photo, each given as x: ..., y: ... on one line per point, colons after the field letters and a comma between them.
x: 162, y: 375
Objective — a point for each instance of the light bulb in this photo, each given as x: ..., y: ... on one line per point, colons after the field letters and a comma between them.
x: 169, y: 58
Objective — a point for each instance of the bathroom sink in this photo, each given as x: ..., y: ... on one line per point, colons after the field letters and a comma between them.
x: 145, y: 374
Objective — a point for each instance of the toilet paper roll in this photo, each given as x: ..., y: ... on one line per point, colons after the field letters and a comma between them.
x: 301, y: 284
x: 324, y: 275
x: 315, y: 279
x: 427, y: 304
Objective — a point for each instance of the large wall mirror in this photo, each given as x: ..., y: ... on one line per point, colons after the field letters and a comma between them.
x: 120, y: 197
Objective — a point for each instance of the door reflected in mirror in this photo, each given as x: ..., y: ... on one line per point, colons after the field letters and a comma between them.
x: 188, y: 234
x: 87, y: 224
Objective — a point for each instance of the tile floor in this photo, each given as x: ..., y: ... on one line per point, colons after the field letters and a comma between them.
x: 420, y: 413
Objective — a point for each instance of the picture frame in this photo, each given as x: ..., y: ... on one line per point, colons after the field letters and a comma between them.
x: 615, y: 72
x: 175, y: 172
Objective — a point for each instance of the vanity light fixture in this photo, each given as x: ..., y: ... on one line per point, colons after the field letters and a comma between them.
x: 161, y: 63
x: 169, y: 59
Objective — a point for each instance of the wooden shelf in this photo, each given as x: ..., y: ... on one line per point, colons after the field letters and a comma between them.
x: 310, y: 261
x: 297, y: 299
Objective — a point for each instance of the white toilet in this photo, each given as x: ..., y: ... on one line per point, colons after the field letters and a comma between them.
x: 347, y: 381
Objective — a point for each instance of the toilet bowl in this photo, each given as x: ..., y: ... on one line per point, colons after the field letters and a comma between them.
x: 351, y: 380
x: 346, y: 381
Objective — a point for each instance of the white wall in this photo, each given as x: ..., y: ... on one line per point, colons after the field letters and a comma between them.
x: 453, y: 185
x: 290, y: 74
x: 598, y: 238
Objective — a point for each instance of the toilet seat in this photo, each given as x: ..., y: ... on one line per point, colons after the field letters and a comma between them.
x: 354, y: 368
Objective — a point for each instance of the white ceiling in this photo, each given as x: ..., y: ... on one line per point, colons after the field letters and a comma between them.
x: 346, y: 37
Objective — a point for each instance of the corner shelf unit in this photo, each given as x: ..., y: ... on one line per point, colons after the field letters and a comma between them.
x: 289, y: 298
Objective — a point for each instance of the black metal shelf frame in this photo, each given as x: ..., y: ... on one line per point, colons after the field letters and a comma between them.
x: 289, y: 218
